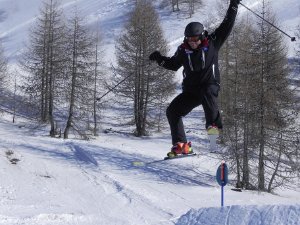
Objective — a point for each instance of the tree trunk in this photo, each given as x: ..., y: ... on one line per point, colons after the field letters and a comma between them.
x: 277, y: 165
x: 51, y: 76
x: 73, y: 84
x: 95, y: 89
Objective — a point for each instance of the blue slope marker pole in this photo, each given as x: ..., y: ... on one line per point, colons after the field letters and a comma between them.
x: 222, y: 179
x: 222, y: 196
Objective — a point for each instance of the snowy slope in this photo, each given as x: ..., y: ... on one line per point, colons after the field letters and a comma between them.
x: 16, y: 17
x: 117, y: 178
x: 243, y: 215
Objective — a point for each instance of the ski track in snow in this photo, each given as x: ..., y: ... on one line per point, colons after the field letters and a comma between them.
x: 98, y: 176
x: 74, y: 182
x: 98, y: 180
x: 97, y: 166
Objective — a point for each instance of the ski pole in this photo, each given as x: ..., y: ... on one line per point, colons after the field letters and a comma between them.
x: 113, y: 88
x: 292, y: 38
x: 110, y: 90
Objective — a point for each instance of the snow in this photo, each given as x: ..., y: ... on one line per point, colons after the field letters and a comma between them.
x: 117, y: 178
x: 242, y: 215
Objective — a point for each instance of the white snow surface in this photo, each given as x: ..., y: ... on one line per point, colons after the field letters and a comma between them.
x: 117, y: 178
x: 243, y: 215
x: 120, y: 179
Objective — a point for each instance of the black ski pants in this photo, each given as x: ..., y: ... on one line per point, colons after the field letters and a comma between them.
x: 185, y: 102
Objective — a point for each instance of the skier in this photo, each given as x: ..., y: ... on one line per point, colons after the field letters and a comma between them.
x: 198, y: 54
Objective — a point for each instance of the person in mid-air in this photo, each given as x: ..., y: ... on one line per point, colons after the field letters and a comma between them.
x: 198, y: 54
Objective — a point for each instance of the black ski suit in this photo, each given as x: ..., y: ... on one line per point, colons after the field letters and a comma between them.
x: 201, y: 78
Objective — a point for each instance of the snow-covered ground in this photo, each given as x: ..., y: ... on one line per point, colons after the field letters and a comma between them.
x: 120, y: 179
x: 243, y: 215
x: 117, y: 178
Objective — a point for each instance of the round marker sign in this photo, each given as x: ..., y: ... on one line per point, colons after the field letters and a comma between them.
x: 222, y: 174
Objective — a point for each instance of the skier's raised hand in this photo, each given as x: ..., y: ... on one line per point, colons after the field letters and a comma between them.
x: 235, y: 2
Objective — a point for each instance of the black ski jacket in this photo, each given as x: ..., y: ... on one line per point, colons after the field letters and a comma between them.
x: 200, y: 66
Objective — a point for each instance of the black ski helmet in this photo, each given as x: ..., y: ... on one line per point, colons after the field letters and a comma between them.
x: 194, y: 29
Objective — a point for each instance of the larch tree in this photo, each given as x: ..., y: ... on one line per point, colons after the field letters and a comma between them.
x: 3, y: 67
x: 145, y: 85
x: 80, y: 75
x: 45, y: 60
x: 257, y: 104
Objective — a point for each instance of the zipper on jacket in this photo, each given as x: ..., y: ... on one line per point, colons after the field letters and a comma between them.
x: 214, y: 74
x: 190, y: 62
x: 203, y: 58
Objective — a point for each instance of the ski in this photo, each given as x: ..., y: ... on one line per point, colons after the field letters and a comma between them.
x: 180, y: 156
x: 141, y: 164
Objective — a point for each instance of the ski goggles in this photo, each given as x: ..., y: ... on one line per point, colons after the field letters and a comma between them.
x: 192, y: 39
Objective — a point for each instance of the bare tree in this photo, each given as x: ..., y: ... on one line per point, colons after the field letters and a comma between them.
x: 80, y: 74
x: 175, y: 5
x: 146, y: 85
x: 258, y: 105
x: 44, y: 60
x: 235, y: 98
x: 99, y: 80
x: 297, y: 33
x: 186, y: 6
x: 3, y: 67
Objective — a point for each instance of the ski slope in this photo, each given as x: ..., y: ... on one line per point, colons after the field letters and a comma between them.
x: 116, y: 178
x: 17, y: 16
x: 243, y: 215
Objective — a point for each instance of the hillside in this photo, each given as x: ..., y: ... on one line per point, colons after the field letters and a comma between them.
x: 117, y: 178
x: 16, y: 17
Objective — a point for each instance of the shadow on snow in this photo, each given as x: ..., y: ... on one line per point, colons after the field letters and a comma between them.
x: 159, y: 170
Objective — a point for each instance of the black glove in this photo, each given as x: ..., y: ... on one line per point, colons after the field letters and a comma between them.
x: 156, y: 56
x: 235, y: 2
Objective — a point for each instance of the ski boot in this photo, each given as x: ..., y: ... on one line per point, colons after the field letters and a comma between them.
x: 213, y: 134
x: 213, y: 130
x: 180, y: 148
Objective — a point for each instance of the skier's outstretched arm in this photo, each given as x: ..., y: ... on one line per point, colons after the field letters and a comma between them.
x: 222, y: 32
x: 170, y: 63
